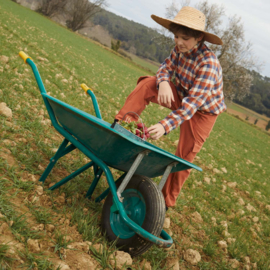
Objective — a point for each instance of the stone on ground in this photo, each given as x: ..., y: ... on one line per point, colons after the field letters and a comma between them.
x: 167, y: 223
x: 192, y: 256
x: 5, y: 110
x: 119, y: 259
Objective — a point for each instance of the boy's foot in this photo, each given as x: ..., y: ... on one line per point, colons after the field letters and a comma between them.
x: 167, y: 208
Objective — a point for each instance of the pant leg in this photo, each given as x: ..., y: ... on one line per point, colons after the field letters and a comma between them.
x: 193, y: 134
x: 145, y: 92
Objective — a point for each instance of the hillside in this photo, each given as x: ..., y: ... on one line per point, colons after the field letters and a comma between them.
x: 222, y: 213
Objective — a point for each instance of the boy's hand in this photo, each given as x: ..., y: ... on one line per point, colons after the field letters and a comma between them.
x: 165, y: 94
x: 158, y: 129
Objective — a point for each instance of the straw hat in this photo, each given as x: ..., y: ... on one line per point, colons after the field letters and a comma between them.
x: 191, y: 18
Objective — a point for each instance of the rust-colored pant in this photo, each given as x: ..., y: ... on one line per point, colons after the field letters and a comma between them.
x: 193, y: 132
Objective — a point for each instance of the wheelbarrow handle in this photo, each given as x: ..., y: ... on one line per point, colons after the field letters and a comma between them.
x: 89, y: 91
x: 24, y: 56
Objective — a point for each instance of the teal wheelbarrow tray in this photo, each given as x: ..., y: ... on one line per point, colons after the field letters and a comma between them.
x: 134, y: 210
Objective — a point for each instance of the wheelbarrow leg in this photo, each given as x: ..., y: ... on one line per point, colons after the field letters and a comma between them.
x: 90, y: 191
x: 53, y: 160
x: 71, y: 176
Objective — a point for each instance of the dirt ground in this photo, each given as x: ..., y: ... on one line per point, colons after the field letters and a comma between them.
x: 251, y: 119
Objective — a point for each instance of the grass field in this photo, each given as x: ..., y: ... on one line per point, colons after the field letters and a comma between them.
x: 229, y: 201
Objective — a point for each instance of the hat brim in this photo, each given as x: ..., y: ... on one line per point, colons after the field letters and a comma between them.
x: 207, y: 36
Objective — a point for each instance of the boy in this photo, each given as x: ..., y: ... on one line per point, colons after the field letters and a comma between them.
x: 195, y: 99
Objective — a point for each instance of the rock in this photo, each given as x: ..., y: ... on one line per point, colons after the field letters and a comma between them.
x: 198, y: 183
x: 247, y: 260
x: 254, y: 265
x: 119, y: 259
x: 5, y: 111
x: 83, y: 246
x: 9, y: 142
x: 3, y: 228
x: 61, y: 265
x: 240, y: 212
x: 234, y: 263
x: 247, y: 267
x: 196, y: 217
x: 223, y: 188
x: 215, y: 170
x: 172, y: 263
x: 39, y: 190
x: 258, y: 193
x: 250, y: 208
x: 4, y: 59
x: 223, y: 245
x: 224, y: 224
x: 241, y: 201
x: 32, y: 178
x: 207, y: 180
x: 33, y: 245
x: 169, y: 232
x: 60, y: 200
x: 226, y: 233
x: 64, y: 81
x: 170, y: 248
x: 267, y: 207
x: 192, y: 256
x: 145, y: 265
x: 232, y: 184
x: 224, y: 170
x: 39, y: 227
x: 167, y: 223
x: 231, y: 240
x: 176, y: 142
x: 50, y: 228
x: 214, y: 221
x: 255, y: 219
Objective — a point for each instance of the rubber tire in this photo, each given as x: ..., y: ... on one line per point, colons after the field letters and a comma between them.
x: 154, y: 216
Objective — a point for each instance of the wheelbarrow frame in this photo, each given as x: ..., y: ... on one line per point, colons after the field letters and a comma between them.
x: 70, y: 143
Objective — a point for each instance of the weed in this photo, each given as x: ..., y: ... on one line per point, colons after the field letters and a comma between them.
x: 5, y: 261
x: 60, y: 243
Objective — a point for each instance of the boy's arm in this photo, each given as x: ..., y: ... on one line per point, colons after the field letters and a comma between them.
x: 164, y: 75
x: 166, y: 69
x: 207, y: 77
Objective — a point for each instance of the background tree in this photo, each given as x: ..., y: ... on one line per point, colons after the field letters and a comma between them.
x: 115, y: 45
x: 235, y: 55
x: 51, y: 7
x: 80, y: 11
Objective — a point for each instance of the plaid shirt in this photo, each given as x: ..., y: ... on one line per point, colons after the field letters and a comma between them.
x: 198, y: 80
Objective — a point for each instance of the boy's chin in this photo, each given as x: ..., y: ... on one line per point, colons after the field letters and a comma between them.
x: 183, y: 50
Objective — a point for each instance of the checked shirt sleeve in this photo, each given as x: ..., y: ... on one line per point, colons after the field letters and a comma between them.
x: 166, y: 69
x: 205, y: 80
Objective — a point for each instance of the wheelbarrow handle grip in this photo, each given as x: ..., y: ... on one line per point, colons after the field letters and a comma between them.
x: 85, y: 88
x: 24, y: 56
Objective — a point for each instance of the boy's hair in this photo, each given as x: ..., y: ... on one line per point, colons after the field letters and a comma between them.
x: 175, y: 28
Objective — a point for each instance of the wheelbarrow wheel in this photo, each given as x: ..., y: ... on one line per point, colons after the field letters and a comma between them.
x: 145, y: 205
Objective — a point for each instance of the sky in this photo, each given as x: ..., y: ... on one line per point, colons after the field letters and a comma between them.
x: 254, y: 14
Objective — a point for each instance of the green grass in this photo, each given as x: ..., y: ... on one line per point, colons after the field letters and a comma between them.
x: 240, y: 148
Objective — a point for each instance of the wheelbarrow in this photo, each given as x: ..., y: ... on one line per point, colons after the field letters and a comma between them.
x: 134, y: 210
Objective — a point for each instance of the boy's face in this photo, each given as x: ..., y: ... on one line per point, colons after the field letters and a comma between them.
x: 184, y: 42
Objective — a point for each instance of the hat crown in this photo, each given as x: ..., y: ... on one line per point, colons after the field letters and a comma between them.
x: 191, y: 18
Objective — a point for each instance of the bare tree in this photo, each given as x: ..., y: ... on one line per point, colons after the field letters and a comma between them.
x: 235, y: 55
x: 80, y: 11
x: 51, y: 7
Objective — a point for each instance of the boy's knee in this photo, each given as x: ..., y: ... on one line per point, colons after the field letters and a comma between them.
x: 147, y: 79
